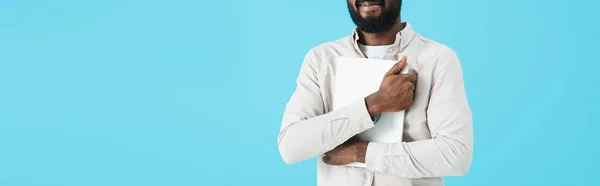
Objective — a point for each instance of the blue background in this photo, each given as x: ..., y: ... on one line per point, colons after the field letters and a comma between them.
x: 186, y: 92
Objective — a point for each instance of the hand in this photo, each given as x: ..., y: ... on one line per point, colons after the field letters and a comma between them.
x: 350, y: 151
x: 395, y: 92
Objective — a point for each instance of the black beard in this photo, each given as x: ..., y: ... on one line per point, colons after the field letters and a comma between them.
x: 378, y: 24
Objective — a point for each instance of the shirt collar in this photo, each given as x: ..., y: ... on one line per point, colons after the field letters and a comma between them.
x: 402, y: 38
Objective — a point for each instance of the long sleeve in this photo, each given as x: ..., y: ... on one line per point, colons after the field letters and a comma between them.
x: 449, y: 151
x: 306, y: 130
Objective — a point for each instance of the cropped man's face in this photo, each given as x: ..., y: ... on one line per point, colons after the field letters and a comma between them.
x: 374, y: 16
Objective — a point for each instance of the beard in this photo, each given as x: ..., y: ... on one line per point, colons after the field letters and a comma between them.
x: 375, y: 24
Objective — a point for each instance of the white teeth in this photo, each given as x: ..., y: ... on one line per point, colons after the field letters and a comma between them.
x: 368, y: 3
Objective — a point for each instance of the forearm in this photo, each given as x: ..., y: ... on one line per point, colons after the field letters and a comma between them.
x: 437, y: 157
x: 302, y: 139
x: 449, y: 120
x: 447, y: 153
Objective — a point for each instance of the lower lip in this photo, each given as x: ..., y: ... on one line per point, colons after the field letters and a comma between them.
x: 370, y: 7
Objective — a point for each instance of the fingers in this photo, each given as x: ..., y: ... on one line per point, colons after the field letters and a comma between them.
x: 410, y: 86
x: 331, y: 160
x: 411, y: 76
x: 326, y: 159
x: 397, y: 67
x: 335, y: 156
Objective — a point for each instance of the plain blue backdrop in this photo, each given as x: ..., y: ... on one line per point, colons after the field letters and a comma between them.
x: 187, y: 92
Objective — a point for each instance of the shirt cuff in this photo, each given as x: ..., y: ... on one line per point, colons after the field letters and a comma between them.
x: 359, y: 116
x: 374, y: 156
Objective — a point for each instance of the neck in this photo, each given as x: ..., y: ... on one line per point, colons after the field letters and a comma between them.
x: 387, y: 37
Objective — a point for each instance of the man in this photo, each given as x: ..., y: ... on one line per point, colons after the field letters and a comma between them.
x: 438, y: 139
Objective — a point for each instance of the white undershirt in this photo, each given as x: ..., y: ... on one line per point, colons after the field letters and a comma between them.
x: 374, y: 52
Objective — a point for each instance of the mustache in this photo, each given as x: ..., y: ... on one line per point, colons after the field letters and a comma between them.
x: 358, y: 2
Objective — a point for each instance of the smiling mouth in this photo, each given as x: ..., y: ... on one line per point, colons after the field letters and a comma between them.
x: 369, y: 3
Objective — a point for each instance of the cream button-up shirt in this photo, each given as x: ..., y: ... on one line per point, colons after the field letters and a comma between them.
x: 438, y: 131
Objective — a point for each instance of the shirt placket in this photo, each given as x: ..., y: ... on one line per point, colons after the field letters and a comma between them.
x: 390, y: 54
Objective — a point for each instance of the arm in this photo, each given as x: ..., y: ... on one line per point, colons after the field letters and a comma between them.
x: 306, y: 130
x: 449, y: 151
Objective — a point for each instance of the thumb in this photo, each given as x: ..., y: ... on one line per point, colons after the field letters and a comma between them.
x: 395, y: 70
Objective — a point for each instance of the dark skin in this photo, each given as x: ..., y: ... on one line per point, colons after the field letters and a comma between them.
x: 385, y: 38
x: 395, y: 93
